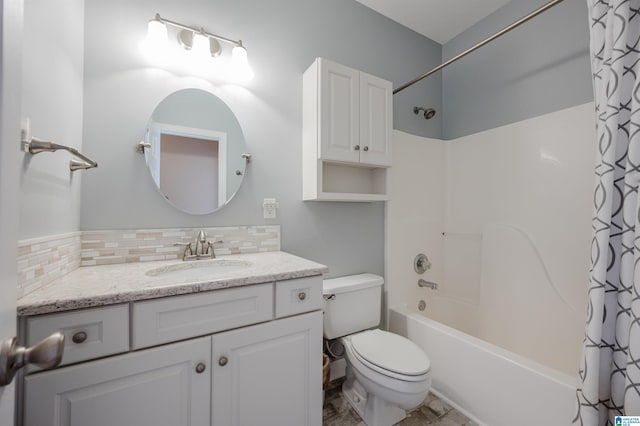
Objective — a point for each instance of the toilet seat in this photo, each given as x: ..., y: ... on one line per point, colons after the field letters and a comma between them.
x: 390, y: 354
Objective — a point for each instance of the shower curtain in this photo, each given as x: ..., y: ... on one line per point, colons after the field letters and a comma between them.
x: 610, y: 368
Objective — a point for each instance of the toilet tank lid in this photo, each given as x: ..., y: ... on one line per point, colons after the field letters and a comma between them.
x: 351, y: 283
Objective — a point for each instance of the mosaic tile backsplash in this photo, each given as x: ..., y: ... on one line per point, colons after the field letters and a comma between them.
x: 109, y: 247
x: 42, y: 260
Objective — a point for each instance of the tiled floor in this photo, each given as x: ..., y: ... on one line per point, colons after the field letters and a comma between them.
x: 433, y: 411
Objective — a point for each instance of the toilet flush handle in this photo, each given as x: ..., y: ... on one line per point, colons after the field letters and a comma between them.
x: 329, y: 296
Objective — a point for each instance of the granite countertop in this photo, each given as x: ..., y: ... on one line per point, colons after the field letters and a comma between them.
x: 91, y: 286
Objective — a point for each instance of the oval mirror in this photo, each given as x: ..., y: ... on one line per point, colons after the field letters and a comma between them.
x: 194, y: 149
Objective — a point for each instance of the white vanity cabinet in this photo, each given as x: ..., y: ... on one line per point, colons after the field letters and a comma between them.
x: 268, y: 374
x: 248, y: 355
x: 347, y: 124
x: 160, y: 387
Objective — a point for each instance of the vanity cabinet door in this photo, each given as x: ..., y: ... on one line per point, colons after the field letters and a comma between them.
x: 269, y: 374
x: 164, y: 386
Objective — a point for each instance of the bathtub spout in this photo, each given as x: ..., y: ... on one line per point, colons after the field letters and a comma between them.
x: 429, y: 284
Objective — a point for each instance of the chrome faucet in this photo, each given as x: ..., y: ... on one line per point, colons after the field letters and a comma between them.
x: 199, y: 249
x: 429, y: 284
x: 203, y: 247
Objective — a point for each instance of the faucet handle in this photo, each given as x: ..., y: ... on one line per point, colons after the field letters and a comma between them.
x: 187, y: 246
x: 210, y: 249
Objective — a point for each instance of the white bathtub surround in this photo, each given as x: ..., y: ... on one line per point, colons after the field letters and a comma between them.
x: 415, y: 215
x: 109, y: 284
x: 143, y: 245
x: 43, y: 260
x: 504, y: 217
x: 488, y: 384
x: 610, y: 369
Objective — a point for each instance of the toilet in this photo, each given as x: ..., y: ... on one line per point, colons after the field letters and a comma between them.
x: 386, y: 373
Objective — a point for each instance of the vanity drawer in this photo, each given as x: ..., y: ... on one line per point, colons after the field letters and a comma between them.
x: 88, y: 334
x: 298, y: 295
x: 181, y: 317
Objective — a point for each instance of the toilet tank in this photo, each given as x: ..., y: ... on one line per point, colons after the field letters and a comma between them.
x: 351, y: 304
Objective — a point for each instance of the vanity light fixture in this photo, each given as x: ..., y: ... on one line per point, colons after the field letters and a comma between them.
x: 202, y: 44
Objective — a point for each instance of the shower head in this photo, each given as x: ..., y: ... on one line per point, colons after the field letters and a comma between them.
x: 427, y: 112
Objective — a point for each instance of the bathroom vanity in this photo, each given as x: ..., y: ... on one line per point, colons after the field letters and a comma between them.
x: 232, y: 341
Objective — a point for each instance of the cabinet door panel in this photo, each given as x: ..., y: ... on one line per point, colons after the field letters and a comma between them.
x: 273, y: 373
x: 154, y: 387
x: 376, y: 120
x: 339, y: 112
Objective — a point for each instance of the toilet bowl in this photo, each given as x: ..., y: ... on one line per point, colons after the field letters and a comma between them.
x: 386, y: 375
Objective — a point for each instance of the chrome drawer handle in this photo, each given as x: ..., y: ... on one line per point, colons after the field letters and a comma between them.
x: 79, y: 337
x: 200, y: 368
x: 223, y: 361
x: 302, y: 295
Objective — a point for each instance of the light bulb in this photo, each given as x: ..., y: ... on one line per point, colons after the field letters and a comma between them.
x: 200, y: 47
x: 156, y: 34
x: 154, y: 45
x: 240, y: 64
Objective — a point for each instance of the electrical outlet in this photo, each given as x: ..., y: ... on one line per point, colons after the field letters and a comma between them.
x: 269, y: 207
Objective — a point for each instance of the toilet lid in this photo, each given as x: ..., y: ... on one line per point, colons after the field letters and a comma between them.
x: 391, y: 352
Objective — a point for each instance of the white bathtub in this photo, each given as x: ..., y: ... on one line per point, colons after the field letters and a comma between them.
x: 489, y: 384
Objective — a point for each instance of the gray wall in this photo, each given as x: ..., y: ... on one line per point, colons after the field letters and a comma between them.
x: 540, y: 67
x: 282, y: 37
x: 52, y: 87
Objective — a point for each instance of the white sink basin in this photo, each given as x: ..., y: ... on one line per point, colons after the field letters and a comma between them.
x: 199, y: 269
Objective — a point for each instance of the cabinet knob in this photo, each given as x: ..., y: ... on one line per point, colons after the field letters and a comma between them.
x: 79, y: 337
x: 302, y: 295
x: 200, y: 368
x: 223, y: 361
x: 366, y: 148
x: 357, y: 147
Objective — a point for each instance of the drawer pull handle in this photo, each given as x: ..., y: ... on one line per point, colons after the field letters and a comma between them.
x: 79, y: 337
x: 200, y: 368
x: 302, y: 295
x: 223, y: 361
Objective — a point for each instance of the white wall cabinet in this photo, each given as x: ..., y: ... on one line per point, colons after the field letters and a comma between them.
x: 347, y: 126
x: 257, y: 374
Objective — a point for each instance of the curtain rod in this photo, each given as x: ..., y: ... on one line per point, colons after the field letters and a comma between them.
x: 482, y: 43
